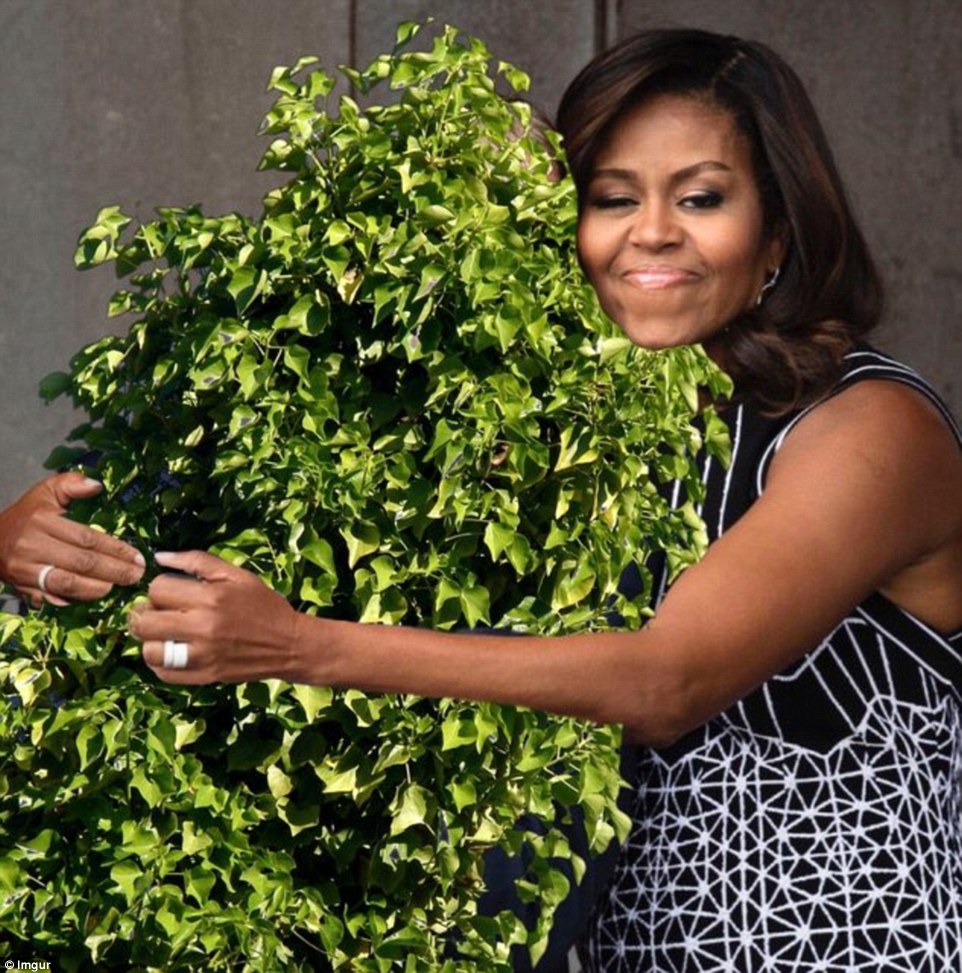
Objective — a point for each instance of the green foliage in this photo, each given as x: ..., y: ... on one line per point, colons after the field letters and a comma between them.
x: 394, y: 397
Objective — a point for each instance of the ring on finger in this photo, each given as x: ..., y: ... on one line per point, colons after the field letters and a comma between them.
x: 176, y: 654
x: 42, y: 576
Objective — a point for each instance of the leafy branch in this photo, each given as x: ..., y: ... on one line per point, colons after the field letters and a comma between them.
x: 393, y: 395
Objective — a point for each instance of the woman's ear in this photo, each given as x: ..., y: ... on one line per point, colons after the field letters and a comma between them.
x: 778, y: 245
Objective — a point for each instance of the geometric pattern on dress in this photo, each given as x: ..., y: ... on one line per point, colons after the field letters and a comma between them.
x: 754, y: 854
x: 823, y: 696
x: 817, y: 823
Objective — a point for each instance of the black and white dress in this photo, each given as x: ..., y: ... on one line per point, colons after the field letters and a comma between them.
x: 816, y: 824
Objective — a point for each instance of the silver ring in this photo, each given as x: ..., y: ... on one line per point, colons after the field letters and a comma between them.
x: 42, y: 577
x: 175, y: 654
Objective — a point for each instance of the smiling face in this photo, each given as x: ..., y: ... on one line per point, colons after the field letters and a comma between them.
x: 671, y: 233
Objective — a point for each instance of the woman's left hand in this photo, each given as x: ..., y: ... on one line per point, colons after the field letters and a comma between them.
x: 220, y: 623
x: 46, y: 556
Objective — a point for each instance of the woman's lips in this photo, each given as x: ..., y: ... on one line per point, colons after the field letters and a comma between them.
x: 658, y: 278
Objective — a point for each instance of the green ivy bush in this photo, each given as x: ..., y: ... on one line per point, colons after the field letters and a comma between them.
x: 394, y: 397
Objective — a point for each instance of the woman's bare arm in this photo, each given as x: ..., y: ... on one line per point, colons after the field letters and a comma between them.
x: 864, y: 490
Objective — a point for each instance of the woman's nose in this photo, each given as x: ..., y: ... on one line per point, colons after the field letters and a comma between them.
x: 654, y: 227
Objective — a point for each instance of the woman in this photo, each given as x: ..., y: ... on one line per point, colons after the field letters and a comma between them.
x: 47, y: 557
x: 794, y: 704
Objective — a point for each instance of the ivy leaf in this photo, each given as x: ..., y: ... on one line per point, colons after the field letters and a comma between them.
x: 414, y: 808
x: 245, y: 285
x: 362, y: 539
x: 54, y: 385
x: 475, y: 603
x: 126, y: 875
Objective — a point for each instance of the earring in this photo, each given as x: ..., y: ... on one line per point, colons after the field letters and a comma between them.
x: 768, y: 285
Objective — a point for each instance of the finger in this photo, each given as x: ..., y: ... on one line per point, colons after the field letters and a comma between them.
x: 35, y: 598
x: 153, y: 654
x: 64, y: 584
x: 200, y: 564
x: 60, y: 584
x: 176, y: 592
x: 78, y: 574
x: 153, y: 625
x: 72, y: 486
x: 94, y: 550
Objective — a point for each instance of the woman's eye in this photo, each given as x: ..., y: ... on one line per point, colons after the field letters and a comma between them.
x: 612, y: 202
x: 705, y: 200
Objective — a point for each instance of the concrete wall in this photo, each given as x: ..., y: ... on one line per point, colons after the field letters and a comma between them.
x: 153, y: 102
x: 135, y: 102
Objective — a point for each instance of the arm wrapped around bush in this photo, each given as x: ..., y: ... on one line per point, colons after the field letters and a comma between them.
x: 394, y: 397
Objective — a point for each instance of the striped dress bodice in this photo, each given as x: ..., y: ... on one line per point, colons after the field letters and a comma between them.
x: 817, y: 823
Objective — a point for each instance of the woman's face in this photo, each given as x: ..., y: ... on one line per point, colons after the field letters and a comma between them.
x: 671, y: 232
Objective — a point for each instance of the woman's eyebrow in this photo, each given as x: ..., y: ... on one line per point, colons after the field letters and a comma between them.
x: 611, y: 172
x: 708, y: 165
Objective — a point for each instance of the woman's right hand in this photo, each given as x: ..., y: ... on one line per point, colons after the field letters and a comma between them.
x: 47, y: 557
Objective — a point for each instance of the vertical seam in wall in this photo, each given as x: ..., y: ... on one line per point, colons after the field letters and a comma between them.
x: 601, y: 16
x: 606, y: 20
x: 614, y: 20
x: 352, y: 36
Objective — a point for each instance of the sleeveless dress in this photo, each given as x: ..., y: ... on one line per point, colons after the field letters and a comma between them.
x: 817, y: 823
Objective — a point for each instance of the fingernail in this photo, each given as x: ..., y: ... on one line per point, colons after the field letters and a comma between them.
x: 89, y: 481
x: 164, y: 557
x: 139, y: 559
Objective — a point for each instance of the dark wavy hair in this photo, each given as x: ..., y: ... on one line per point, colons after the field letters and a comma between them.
x: 788, y: 351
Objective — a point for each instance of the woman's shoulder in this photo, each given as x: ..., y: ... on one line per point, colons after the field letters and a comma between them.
x: 884, y: 453
x: 878, y: 406
x: 893, y: 427
x: 885, y: 380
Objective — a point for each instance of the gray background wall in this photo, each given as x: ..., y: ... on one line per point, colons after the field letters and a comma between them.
x: 153, y: 102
